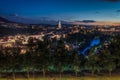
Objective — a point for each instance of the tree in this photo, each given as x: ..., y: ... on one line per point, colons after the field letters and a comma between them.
x: 60, y: 55
x: 43, y: 55
x: 114, y: 48
x: 12, y: 60
x: 93, y: 62
x: 107, y: 60
x: 1, y: 62
x: 76, y: 63
x: 29, y: 57
x: 27, y: 63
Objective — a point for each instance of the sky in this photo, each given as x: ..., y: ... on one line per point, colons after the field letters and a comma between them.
x: 69, y: 10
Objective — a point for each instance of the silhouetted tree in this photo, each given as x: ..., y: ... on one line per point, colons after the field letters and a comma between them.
x: 60, y: 55
x: 76, y: 62
x: 107, y: 60
x: 93, y: 62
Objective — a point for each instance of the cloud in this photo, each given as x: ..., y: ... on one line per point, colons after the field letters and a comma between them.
x: 15, y: 15
x: 118, y: 11
x: 97, y: 12
x: 86, y: 21
x: 111, y: 0
x: 44, y: 18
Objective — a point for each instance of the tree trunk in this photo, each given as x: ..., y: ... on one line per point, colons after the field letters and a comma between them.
x: 33, y: 75
x: 110, y: 73
x: 0, y: 74
x: 98, y: 71
x: 13, y: 75
x: 92, y: 72
x: 76, y: 73
x: 43, y: 72
x: 28, y: 75
x: 60, y: 75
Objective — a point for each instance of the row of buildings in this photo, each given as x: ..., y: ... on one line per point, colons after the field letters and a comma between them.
x: 20, y: 40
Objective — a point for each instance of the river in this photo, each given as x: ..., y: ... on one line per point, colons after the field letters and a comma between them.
x: 94, y: 42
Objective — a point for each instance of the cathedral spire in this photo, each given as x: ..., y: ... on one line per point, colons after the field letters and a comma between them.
x: 59, y: 25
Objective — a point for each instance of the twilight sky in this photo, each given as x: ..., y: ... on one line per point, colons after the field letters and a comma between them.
x: 70, y: 10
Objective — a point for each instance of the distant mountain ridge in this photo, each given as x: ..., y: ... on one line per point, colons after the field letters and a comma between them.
x: 5, y: 20
x: 21, y: 20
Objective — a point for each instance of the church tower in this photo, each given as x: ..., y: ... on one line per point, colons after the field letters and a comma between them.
x: 59, y: 25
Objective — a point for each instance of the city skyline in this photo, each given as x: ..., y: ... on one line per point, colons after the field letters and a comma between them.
x: 68, y: 10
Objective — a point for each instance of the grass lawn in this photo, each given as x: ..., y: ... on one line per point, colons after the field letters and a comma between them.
x: 71, y: 78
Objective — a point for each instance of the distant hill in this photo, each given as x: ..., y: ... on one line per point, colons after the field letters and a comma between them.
x: 5, y: 20
x: 21, y: 20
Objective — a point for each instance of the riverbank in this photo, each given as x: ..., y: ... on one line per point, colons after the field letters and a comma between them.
x: 88, y: 76
x: 70, y: 78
